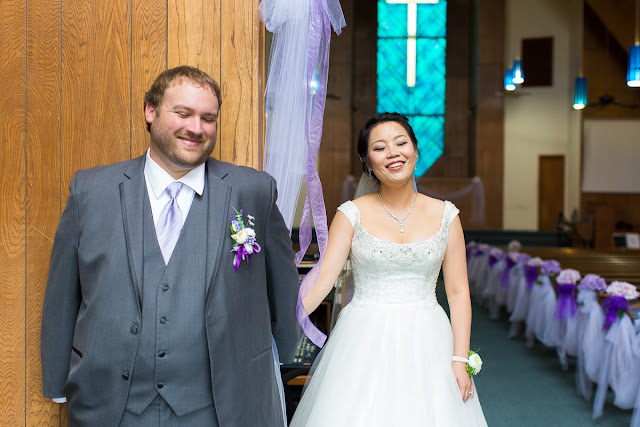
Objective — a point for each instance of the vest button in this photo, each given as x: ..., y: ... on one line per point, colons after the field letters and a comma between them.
x: 163, y: 320
x: 165, y: 287
x: 160, y: 385
x: 134, y: 329
x: 125, y: 375
x: 161, y: 354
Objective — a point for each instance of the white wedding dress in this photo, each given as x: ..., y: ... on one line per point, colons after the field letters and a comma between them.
x: 388, y: 359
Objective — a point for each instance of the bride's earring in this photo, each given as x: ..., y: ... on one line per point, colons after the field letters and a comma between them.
x: 369, y: 173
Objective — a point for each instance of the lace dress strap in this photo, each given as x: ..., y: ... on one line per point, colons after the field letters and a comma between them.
x: 351, y: 211
x: 450, y: 212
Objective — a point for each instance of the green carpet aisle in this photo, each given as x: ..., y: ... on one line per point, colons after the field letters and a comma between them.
x: 526, y: 387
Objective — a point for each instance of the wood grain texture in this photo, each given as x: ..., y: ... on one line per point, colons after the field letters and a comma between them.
x: 12, y: 213
x: 550, y: 191
x: 455, y: 161
x: 96, y: 74
x: 193, y: 38
x: 43, y: 189
x: 335, y: 156
x: 148, y: 59
x: 489, y: 124
x: 239, y: 45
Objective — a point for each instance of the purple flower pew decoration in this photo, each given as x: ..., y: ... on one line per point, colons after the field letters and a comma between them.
x: 566, y: 285
x: 514, y: 246
x: 593, y: 282
x: 550, y: 267
x: 495, y: 255
x: 531, y: 271
x: 617, y: 301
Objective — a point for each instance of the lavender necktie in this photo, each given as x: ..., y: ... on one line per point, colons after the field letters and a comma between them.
x: 170, y: 222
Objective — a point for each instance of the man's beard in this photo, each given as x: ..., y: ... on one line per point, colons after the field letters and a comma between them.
x: 166, y: 144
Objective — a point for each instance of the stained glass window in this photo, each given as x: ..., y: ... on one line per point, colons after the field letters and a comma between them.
x: 411, y: 70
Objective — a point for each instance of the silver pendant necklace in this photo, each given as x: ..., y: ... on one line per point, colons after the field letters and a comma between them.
x: 401, y: 221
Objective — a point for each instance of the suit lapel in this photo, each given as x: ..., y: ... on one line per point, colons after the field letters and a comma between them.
x: 132, y: 194
x: 217, y: 214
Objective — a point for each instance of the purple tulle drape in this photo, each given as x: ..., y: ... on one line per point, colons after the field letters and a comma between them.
x: 566, y: 307
x: 611, y: 306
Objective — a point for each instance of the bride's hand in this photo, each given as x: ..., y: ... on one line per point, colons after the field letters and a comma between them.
x: 464, y: 382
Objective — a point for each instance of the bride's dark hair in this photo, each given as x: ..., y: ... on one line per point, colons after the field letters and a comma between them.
x: 363, y: 136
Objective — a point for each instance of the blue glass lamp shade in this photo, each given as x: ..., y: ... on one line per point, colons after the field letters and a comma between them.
x: 508, y: 80
x: 518, y: 77
x: 633, y: 71
x: 580, y: 94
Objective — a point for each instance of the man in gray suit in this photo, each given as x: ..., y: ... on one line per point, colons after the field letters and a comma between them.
x: 153, y: 314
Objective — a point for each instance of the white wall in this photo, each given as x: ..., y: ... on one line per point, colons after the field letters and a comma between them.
x: 541, y: 121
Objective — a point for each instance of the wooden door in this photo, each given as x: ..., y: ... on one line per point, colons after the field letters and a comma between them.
x: 550, y: 191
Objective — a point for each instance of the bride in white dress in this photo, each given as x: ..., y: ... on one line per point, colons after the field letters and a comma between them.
x: 388, y: 361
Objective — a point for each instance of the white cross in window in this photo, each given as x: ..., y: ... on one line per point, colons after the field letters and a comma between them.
x: 412, y: 24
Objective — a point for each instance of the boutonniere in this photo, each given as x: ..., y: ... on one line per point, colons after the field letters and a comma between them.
x: 244, y: 239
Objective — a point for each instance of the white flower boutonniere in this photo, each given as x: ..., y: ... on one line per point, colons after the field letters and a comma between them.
x: 244, y: 239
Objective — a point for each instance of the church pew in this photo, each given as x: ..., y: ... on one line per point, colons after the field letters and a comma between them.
x: 620, y: 265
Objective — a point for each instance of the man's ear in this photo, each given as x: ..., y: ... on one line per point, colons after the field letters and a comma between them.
x: 149, y: 113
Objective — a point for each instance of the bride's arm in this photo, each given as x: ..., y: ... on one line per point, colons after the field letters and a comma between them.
x: 456, y: 283
x: 338, y: 246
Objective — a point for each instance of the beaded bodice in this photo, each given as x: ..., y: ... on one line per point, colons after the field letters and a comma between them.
x: 396, y: 272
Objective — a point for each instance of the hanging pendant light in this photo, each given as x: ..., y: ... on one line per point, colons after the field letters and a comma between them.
x: 518, y: 76
x: 508, y: 80
x: 580, y: 93
x: 633, y: 70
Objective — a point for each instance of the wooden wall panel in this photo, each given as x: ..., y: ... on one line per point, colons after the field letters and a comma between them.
x: 455, y: 161
x: 338, y: 144
x: 148, y: 59
x: 43, y: 191
x: 96, y: 72
x: 489, y: 125
x: 12, y: 213
x: 74, y: 76
x: 240, y: 43
x: 193, y: 38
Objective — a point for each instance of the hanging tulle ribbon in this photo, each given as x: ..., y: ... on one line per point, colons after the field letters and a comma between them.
x: 566, y: 305
x: 300, y: 53
x: 612, y: 306
x: 317, y: 70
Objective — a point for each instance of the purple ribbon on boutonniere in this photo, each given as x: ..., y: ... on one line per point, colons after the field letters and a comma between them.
x: 566, y: 305
x: 612, y: 306
x: 530, y: 274
x: 504, y: 276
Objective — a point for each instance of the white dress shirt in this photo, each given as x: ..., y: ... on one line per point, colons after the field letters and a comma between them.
x: 158, y: 180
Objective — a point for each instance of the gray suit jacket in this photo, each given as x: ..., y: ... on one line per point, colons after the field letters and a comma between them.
x: 92, y: 302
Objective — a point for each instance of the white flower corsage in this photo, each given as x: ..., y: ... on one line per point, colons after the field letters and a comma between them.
x: 244, y: 239
x: 474, y: 364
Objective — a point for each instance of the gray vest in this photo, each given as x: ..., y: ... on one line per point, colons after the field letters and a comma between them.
x: 173, y: 357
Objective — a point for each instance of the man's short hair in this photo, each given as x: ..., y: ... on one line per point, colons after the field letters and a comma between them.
x: 155, y: 94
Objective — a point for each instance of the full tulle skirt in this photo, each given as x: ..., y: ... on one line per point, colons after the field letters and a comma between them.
x: 387, y: 364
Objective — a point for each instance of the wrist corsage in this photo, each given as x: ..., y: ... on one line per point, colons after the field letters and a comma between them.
x: 244, y: 239
x: 474, y: 362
